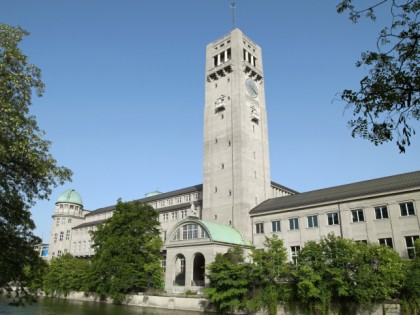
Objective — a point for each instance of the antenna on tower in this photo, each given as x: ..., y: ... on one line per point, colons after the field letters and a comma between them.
x: 233, y: 6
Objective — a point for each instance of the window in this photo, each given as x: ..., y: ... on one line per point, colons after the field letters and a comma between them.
x: 386, y: 242
x: 63, y: 220
x: 407, y: 208
x: 61, y: 236
x: 275, y: 226
x: 190, y: 231
x: 69, y: 221
x: 195, y: 196
x: 59, y: 253
x: 67, y: 235
x: 203, y: 233
x: 183, y: 214
x: 357, y: 215
x: 177, y: 235
x: 170, y: 201
x: 312, y: 221
x: 165, y: 217
x: 161, y: 203
x: 294, y: 224
x: 164, y: 235
x: 259, y: 228
x: 294, y: 253
x: 55, y: 238
x: 381, y: 212
x: 333, y: 218
x: 187, y: 198
x: 174, y: 215
x: 411, y: 250
x: 57, y: 222
x: 163, y: 265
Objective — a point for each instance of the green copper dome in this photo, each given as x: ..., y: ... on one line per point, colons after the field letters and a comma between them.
x: 70, y: 196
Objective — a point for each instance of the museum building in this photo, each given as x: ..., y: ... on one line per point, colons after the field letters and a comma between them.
x: 238, y: 204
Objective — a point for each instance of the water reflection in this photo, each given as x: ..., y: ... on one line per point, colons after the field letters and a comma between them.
x: 52, y: 306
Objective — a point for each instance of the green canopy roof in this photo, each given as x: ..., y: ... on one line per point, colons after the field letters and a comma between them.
x: 223, y: 233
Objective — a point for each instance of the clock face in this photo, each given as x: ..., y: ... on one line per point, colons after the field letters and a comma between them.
x: 251, y: 87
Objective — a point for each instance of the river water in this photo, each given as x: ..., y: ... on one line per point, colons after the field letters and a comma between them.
x: 54, y: 306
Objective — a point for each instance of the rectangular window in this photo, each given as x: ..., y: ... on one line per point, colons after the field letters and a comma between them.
x: 170, y: 201
x: 294, y: 253
x: 259, y: 228
x: 59, y: 253
x: 195, y: 196
x: 190, y: 231
x: 187, y: 198
x: 67, y: 235
x: 381, y: 212
x: 358, y: 215
x: 57, y: 222
x: 333, y: 218
x: 312, y: 221
x: 411, y: 249
x: 55, y: 238
x: 163, y: 265
x: 276, y: 226
x: 164, y: 236
x: 174, y: 215
x: 294, y: 224
x: 386, y: 242
x: 61, y: 236
x: 407, y: 208
x: 183, y: 214
x: 69, y: 221
x: 161, y: 203
x: 178, y: 199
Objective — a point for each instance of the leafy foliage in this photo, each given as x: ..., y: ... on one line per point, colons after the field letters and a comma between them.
x: 127, y: 258
x: 230, y: 281
x: 27, y: 170
x: 66, y: 274
x: 270, y: 277
x: 410, y: 292
x: 344, y: 273
x: 389, y: 97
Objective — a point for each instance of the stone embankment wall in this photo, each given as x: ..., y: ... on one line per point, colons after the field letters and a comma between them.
x: 201, y: 304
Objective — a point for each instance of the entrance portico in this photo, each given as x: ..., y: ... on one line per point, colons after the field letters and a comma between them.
x: 191, y: 246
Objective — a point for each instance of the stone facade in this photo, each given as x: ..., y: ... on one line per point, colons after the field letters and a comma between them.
x: 238, y: 204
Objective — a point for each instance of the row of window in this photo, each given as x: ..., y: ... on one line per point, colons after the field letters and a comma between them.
x: 333, y: 218
x: 175, y: 200
x: 59, y: 253
x: 190, y: 232
x: 67, y: 206
x: 82, y: 246
x: 61, y: 235
x: 182, y: 214
x: 409, y: 242
x: 63, y: 221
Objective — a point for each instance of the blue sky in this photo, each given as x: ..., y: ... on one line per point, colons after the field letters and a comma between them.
x: 124, y: 94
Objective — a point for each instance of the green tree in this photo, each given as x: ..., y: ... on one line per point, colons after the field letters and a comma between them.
x: 66, y: 274
x: 339, y: 273
x: 410, y: 293
x: 387, y: 103
x: 230, y: 281
x: 127, y: 257
x: 271, y: 277
x: 27, y: 170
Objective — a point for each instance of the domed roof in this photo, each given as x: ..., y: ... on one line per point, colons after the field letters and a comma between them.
x: 70, y: 196
x: 153, y: 193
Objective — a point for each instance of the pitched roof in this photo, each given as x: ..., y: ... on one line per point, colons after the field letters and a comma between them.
x: 339, y: 193
x: 158, y: 197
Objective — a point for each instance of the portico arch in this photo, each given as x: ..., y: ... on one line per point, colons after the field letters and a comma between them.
x: 179, y: 270
x: 199, y: 270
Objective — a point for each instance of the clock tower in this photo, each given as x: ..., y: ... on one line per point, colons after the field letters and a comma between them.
x: 236, y: 156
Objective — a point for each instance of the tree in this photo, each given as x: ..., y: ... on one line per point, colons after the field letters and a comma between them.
x: 27, y: 170
x: 271, y: 277
x: 387, y: 104
x: 340, y: 273
x: 66, y: 274
x: 127, y: 258
x: 230, y: 281
x: 410, y: 293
